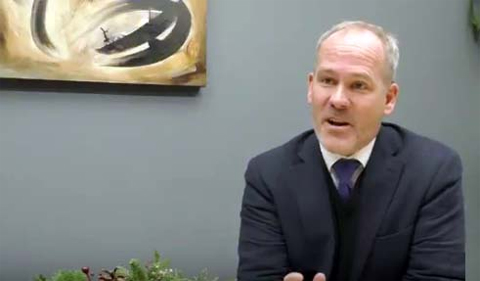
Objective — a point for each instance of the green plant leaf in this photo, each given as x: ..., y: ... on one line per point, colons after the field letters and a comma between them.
x: 138, y: 272
x: 40, y: 278
x: 158, y: 270
x: 69, y: 275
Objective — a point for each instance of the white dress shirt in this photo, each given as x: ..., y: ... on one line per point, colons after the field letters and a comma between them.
x: 362, y: 156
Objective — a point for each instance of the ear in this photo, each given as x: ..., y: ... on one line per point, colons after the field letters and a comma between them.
x: 391, y: 98
x: 310, y: 87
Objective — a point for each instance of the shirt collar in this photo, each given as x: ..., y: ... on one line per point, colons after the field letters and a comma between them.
x: 361, y: 155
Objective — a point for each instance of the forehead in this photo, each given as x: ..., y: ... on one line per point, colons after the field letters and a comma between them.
x: 352, y: 51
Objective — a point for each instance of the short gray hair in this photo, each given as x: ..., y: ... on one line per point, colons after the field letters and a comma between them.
x: 390, y: 42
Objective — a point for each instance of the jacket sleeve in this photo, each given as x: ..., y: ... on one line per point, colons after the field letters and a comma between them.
x: 438, y: 248
x: 262, y: 251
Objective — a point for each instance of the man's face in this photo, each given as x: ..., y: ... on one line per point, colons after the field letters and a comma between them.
x: 348, y: 91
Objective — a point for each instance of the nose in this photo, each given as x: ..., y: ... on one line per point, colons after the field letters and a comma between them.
x: 339, y: 99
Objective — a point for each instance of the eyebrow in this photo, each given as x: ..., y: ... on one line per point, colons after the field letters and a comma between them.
x: 355, y: 75
x: 326, y: 70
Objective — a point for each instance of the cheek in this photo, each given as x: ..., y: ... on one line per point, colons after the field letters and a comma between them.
x: 317, y: 107
x: 368, y: 119
x: 318, y: 97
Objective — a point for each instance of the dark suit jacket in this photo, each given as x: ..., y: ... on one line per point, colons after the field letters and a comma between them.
x: 411, y: 213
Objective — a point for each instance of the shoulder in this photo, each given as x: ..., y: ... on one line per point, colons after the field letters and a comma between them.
x: 416, y: 148
x: 283, y: 156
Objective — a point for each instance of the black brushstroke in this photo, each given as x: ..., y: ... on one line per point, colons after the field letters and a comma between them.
x: 158, y: 50
x: 176, y: 13
x: 38, y: 29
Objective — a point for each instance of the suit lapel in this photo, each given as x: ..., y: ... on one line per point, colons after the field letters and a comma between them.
x: 381, y: 176
x: 307, y: 181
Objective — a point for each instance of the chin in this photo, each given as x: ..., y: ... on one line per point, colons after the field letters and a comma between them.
x: 338, y: 146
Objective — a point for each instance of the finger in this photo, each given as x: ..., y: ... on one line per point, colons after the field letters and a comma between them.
x: 319, y: 277
x: 293, y: 276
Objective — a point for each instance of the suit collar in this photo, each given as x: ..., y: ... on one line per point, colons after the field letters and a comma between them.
x: 387, y: 141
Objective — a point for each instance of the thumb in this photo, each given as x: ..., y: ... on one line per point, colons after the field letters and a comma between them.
x: 293, y: 276
x: 319, y: 277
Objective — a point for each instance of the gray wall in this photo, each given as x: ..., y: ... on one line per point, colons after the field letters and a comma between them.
x: 94, y: 174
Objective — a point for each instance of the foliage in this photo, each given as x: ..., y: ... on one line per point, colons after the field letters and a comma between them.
x: 138, y: 273
x: 64, y: 275
x: 204, y: 276
x: 475, y: 18
x: 157, y: 270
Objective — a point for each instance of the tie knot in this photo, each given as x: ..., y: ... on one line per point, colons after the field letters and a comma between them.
x: 344, y: 169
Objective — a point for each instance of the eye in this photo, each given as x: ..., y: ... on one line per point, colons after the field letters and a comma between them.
x: 359, y: 85
x: 327, y: 81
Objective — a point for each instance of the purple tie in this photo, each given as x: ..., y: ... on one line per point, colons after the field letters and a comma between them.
x: 344, y: 169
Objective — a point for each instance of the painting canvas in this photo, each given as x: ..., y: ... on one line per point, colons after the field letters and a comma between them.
x: 117, y: 41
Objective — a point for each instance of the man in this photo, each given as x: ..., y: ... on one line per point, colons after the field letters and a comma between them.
x: 355, y: 198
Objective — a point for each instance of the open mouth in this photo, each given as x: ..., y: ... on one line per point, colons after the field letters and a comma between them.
x: 337, y: 123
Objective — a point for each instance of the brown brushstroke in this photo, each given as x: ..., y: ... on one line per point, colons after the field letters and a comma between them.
x: 190, y: 77
x: 3, y: 28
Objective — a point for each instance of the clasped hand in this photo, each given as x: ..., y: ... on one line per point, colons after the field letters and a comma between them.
x: 295, y: 276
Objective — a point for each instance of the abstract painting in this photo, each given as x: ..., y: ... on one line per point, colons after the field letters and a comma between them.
x: 113, y: 41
